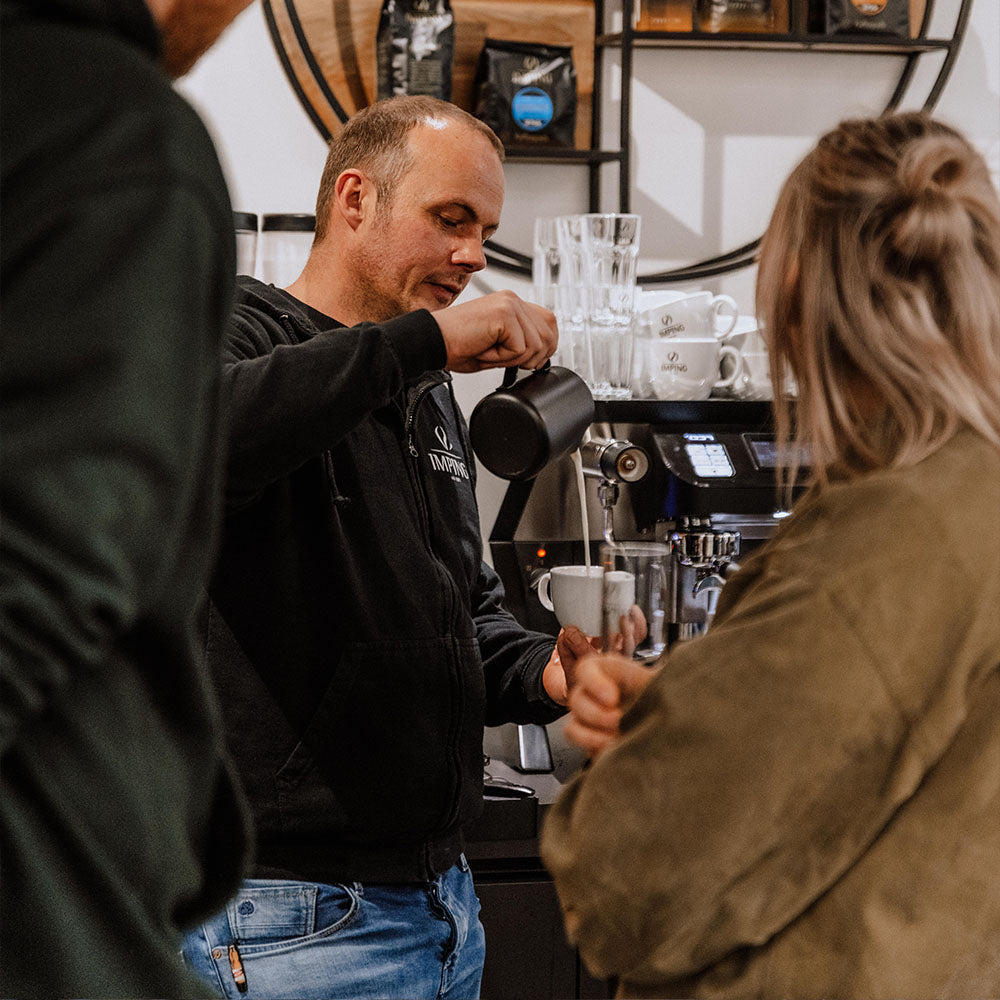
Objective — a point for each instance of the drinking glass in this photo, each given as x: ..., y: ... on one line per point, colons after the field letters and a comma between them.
x: 545, y: 262
x: 646, y: 564
x: 546, y: 275
x: 610, y: 243
x: 571, y: 299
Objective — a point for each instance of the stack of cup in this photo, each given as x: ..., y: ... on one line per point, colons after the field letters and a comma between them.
x: 585, y: 271
x: 754, y: 376
x: 681, y: 351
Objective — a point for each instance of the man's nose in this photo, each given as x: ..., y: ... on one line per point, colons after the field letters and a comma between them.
x: 470, y: 255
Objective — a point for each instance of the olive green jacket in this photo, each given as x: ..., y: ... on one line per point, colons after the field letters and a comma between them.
x: 805, y: 802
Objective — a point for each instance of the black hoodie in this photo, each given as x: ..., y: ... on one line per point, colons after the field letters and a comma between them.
x: 358, y: 640
x: 119, y: 819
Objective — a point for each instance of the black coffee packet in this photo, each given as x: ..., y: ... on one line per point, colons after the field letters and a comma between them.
x: 414, y: 48
x: 527, y: 92
x: 877, y: 17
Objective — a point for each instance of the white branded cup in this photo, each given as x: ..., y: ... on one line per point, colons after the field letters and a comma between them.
x: 685, y: 367
x: 653, y: 299
x: 700, y: 314
x: 754, y: 381
x: 575, y: 594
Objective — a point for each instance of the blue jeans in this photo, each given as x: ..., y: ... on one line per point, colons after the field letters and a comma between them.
x: 303, y: 940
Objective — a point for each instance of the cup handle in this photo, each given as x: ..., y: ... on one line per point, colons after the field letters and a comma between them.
x: 724, y: 306
x: 543, y: 592
x: 729, y: 351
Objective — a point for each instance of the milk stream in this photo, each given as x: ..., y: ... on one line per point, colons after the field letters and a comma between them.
x: 581, y: 489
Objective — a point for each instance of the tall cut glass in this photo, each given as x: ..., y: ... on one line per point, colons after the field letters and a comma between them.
x: 571, y: 298
x: 610, y: 245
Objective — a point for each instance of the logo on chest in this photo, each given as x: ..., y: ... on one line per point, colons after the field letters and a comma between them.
x: 446, y: 459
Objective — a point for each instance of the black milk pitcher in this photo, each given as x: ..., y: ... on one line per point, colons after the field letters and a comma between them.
x: 519, y: 428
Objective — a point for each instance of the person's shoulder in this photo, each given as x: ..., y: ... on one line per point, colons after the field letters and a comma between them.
x: 257, y: 323
x: 91, y: 107
x: 967, y: 460
x: 82, y: 57
x: 254, y: 294
x: 963, y: 474
x: 948, y: 493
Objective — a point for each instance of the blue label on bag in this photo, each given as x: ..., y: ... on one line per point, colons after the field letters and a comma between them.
x: 532, y: 109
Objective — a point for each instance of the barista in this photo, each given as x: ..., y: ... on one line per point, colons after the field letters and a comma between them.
x: 357, y: 638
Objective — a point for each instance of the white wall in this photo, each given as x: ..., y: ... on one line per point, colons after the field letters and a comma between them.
x: 714, y: 134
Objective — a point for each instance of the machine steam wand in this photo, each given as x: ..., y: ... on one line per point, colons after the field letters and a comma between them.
x: 612, y: 461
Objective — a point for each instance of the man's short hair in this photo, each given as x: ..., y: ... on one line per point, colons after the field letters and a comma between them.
x: 375, y: 140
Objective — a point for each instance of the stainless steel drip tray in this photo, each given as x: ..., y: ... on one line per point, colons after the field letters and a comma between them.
x: 500, y: 744
x: 508, y: 826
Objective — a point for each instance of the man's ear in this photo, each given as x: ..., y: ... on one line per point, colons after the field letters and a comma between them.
x: 354, y: 195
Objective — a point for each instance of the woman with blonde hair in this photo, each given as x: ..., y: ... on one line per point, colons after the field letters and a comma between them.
x: 805, y: 801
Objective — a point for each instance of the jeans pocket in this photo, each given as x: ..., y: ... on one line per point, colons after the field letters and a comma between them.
x: 278, y: 917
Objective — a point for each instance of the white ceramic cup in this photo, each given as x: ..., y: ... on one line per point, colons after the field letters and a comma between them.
x: 754, y: 381
x: 684, y: 367
x: 575, y: 594
x: 700, y: 314
x: 618, y: 596
x: 654, y: 298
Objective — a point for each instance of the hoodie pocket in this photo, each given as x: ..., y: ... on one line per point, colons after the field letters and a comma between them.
x: 381, y: 759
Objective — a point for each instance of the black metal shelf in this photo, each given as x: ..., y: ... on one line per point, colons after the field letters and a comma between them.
x: 630, y: 40
x: 785, y: 42
x: 522, y: 154
x: 682, y: 411
x: 697, y: 40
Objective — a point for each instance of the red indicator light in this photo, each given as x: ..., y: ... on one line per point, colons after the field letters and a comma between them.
x: 541, y: 553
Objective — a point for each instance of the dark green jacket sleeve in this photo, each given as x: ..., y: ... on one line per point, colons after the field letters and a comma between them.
x: 111, y: 325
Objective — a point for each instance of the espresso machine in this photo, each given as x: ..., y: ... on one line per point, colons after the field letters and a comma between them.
x: 698, y: 475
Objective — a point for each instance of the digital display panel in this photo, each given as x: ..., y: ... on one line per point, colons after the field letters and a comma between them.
x: 766, y: 454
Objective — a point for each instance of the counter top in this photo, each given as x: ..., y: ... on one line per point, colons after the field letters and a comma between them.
x: 508, y: 828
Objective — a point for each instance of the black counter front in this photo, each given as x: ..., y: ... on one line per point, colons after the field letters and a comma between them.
x: 527, y: 954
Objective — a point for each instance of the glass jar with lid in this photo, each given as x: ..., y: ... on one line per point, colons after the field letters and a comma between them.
x: 285, y: 240
x: 246, y: 242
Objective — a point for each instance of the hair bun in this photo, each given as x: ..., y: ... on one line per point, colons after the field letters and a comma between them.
x: 934, y: 219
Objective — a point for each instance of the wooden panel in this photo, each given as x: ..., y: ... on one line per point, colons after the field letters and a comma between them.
x: 330, y: 47
x: 296, y: 66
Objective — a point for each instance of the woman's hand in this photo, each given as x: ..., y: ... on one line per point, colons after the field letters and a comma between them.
x: 605, y: 685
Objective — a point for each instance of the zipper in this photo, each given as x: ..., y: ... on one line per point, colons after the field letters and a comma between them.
x: 410, y: 416
x: 409, y: 413
x: 288, y: 325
